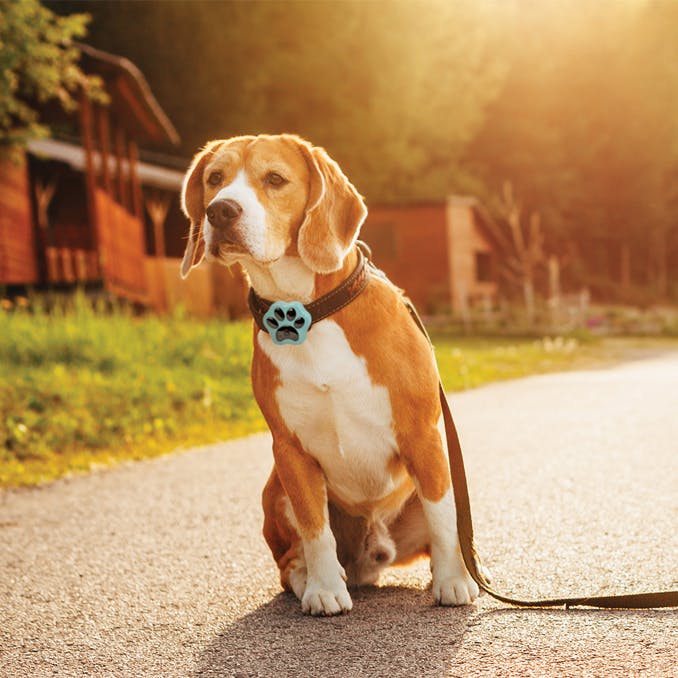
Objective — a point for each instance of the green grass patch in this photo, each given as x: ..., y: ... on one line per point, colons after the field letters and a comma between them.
x: 84, y: 388
x: 470, y: 362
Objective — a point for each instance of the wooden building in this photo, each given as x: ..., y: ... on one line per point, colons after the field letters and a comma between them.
x: 442, y: 254
x: 82, y: 208
x: 72, y: 209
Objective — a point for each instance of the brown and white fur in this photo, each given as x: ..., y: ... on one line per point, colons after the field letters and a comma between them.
x: 361, y: 478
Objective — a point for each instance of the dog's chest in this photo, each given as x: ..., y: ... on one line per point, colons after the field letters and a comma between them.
x: 341, y: 418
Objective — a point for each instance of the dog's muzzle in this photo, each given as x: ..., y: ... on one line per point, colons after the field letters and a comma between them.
x: 223, y: 215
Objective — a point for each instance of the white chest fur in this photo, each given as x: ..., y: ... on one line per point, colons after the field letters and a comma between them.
x: 339, y: 415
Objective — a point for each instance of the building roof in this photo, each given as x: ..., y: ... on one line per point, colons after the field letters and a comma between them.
x: 132, y: 102
x: 74, y: 156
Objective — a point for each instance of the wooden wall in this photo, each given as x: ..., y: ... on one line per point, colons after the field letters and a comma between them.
x: 210, y: 289
x: 17, y: 245
x: 409, y: 243
x: 467, y: 240
x: 122, y: 249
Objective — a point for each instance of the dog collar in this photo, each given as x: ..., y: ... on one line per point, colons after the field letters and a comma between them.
x: 288, y: 322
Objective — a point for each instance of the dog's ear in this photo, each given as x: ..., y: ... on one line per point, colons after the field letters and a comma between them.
x: 193, y: 206
x: 334, y: 213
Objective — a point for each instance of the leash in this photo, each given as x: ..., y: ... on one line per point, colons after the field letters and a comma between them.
x: 467, y: 543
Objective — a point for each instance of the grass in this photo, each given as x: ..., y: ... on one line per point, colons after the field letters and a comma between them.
x: 84, y: 388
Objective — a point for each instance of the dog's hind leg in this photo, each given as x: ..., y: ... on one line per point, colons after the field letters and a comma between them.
x: 364, y: 547
x: 410, y: 533
x: 293, y: 570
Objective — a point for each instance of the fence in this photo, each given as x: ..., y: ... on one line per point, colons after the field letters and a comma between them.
x: 71, y: 265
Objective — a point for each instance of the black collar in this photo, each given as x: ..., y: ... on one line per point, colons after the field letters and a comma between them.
x: 321, y: 308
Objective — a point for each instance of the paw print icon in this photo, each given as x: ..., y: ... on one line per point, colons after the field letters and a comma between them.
x: 287, y: 322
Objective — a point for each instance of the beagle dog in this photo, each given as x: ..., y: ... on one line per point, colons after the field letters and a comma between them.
x: 361, y: 478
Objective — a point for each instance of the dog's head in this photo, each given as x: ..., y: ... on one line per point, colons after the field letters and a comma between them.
x: 265, y: 197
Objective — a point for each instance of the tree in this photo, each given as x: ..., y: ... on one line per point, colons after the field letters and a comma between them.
x: 38, y: 63
x: 393, y: 90
x: 527, y: 251
x: 573, y: 103
x: 586, y: 131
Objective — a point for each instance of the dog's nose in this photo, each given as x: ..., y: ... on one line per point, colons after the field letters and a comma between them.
x: 222, y: 213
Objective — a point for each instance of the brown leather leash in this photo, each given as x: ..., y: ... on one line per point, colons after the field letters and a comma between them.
x: 465, y: 530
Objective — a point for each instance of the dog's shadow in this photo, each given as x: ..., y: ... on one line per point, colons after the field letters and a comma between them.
x: 392, y: 631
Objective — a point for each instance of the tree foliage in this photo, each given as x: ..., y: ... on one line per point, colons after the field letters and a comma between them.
x: 585, y: 129
x: 394, y: 90
x: 573, y: 103
x: 38, y: 63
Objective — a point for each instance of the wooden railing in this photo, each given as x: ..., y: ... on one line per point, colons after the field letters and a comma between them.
x: 71, y: 265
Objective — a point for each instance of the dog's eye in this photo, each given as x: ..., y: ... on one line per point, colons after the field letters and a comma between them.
x: 274, y: 179
x: 214, y: 179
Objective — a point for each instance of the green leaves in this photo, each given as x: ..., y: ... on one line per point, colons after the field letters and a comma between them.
x: 394, y: 90
x: 38, y: 63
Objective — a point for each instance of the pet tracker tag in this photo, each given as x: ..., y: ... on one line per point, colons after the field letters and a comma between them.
x: 287, y: 322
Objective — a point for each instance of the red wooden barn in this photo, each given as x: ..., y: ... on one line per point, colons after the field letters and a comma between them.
x: 72, y: 209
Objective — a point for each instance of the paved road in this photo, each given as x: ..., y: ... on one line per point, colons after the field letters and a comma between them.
x: 158, y: 568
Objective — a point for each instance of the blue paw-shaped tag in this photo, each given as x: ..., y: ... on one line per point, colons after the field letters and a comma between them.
x: 287, y: 322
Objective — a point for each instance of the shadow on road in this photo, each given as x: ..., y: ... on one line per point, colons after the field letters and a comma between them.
x: 392, y: 631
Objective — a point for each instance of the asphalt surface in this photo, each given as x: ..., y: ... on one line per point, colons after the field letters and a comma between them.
x: 159, y: 569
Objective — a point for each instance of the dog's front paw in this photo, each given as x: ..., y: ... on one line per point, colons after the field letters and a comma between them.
x: 459, y: 590
x: 323, y: 599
